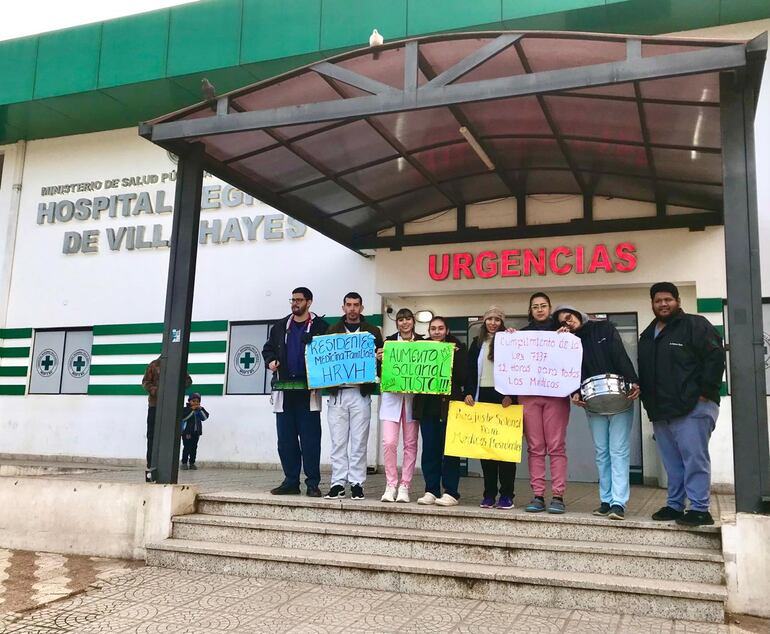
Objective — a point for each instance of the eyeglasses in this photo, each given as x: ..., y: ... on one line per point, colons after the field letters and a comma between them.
x: 539, y: 306
x: 297, y: 300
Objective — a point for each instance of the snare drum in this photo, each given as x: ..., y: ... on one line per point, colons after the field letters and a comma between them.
x: 606, y: 394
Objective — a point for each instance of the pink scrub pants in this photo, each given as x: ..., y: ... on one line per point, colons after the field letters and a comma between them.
x: 545, y: 428
x: 390, y: 432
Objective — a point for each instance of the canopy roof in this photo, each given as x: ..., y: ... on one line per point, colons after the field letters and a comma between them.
x: 370, y: 140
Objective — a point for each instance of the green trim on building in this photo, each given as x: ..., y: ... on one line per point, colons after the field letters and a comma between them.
x: 12, y: 390
x: 710, y: 304
x: 205, y: 389
x: 15, y: 333
x: 723, y: 389
x: 100, y: 349
x: 137, y: 369
x: 21, y: 352
x: 13, y: 370
x: 218, y: 325
x: 110, y: 75
x: 720, y: 329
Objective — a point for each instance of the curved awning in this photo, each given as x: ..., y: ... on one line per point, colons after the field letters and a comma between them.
x: 374, y: 139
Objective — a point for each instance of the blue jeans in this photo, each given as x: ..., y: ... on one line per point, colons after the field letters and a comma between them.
x: 299, y: 438
x: 612, y: 435
x: 683, y: 444
x: 438, y: 469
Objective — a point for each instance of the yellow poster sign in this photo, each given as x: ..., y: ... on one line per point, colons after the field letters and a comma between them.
x: 484, y: 430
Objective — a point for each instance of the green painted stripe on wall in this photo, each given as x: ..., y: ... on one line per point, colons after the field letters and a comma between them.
x: 125, y: 348
x: 137, y: 369
x: 100, y: 349
x: 12, y: 390
x: 205, y: 389
x: 218, y: 325
x: 721, y: 330
x: 723, y: 389
x: 15, y: 333
x: 14, y: 353
x: 128, y: 329
x: 709, y: 304
x: 19, y: 370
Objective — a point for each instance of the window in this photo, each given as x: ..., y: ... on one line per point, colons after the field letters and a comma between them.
x: 61, y: 362
x: 246, y: 372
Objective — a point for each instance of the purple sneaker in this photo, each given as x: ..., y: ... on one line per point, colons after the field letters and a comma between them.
x: 504, y: 503
x: 487, y: 503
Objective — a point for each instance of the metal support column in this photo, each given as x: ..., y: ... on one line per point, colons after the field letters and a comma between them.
x: 176, y: 326
x: 744, y: 293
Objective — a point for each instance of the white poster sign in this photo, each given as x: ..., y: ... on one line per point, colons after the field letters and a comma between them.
x: 540, y: 363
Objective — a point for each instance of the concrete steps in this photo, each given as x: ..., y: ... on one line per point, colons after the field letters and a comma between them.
x: 573, y: 561
x: 473, y: 521
x: 628, y: 560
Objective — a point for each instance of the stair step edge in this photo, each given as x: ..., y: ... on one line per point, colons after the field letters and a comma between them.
x: 489, y: 572
x: 456, y: 538
x: 583, y: 519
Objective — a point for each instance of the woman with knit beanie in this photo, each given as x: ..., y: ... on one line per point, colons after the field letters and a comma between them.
x: 480, y: 386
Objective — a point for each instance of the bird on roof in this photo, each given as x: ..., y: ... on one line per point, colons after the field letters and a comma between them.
x: 375, y: 40
x: 209, y: 93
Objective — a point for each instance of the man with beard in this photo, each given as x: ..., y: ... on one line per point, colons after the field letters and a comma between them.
x: 681, y: 363
x: 297, y: 409
x: 350, y: 411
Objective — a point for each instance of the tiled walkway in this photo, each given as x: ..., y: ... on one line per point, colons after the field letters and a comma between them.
x: 155, y: 600
x: 29, y: 579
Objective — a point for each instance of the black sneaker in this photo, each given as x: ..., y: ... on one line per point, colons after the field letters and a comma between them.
x: 603, y: 510
x: 617, y: 512
x: 357, y: 492
x: 695, y: 518
x: 666, y: 514
x: 314, y: 492
x: 286, y: 489
x: 336, y: 492
x: 193, y: 467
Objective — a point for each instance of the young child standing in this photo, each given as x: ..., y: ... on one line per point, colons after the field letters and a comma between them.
x: 193, y: 416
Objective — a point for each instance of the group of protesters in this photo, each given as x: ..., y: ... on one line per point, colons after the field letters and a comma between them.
x: 681, y: 363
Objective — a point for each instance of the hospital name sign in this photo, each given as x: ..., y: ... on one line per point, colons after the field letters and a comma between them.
x: 247, y: 228
x: 528, y: 262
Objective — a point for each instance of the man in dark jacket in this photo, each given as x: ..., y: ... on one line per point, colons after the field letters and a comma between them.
x: 298, y: 410
x: 603, y: 353
x: 681, y: 363
x: 350, y: 411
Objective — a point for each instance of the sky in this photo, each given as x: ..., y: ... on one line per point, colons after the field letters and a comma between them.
x: 30, y: 17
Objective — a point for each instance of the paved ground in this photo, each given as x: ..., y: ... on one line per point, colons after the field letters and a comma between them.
x: 156, y: 600
x: 581, y: 497
x: 152, y: 600
x: 30, y: 579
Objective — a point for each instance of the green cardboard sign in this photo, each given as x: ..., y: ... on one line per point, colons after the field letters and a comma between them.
x: 417, y: 367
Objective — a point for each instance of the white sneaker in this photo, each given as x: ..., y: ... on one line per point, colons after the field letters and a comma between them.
x: 403, y: 494
x: 428, y: 498
x: 389, y: 495
x: 447, y: 500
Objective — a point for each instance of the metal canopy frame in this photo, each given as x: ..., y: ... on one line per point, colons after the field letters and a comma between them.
x: 362, y: 98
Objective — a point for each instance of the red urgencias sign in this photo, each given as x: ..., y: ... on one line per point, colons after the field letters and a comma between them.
x: 527, y: 262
